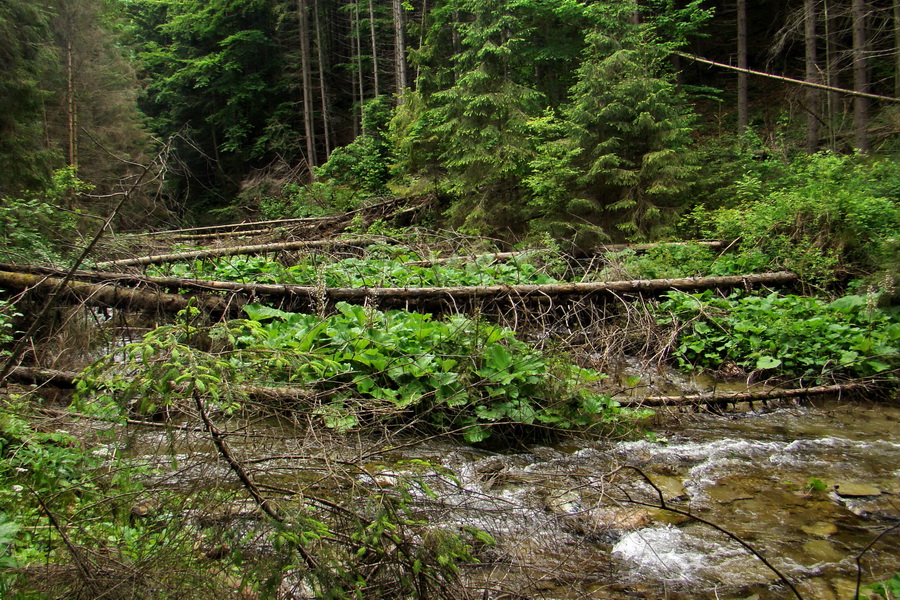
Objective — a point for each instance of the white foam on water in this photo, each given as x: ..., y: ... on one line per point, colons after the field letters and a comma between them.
x: 661, y: 551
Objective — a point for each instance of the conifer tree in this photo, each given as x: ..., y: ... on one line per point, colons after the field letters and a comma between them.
x: 25, y: 156
x: 621, y: 143
x: 481, y: 119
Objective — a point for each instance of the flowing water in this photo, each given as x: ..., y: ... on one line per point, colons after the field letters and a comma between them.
x: 810, y: 487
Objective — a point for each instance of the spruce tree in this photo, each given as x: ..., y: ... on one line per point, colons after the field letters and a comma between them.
x: 480, y: 121
x: 622, y: 141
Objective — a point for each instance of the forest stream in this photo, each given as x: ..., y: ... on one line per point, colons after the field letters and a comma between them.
x: 809, y: 486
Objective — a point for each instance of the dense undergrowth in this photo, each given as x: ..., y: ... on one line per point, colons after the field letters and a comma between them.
x: 84, y: 519
x: 381, y: 267
x: 806, y: 338
x: 360, y: 368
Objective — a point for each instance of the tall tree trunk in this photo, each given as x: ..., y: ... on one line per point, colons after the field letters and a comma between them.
x: 897, y: 48
x: 813, y: 96
x: 359, y: 71
x: 71, y: 107
x: 860, y: 76
x: 743, y: 100
x: 399, y: 49
x: 306, y: 73
x: 374, y: 48
x: 422, y: 29
x: 354, y: 89
x: 831, y: 70
x: 323, y: 90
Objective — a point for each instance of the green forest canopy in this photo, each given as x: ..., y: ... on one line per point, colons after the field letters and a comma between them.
x: 570, y: 118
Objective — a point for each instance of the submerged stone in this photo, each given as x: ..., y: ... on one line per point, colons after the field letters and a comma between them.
x: 820, y: 529
x: 856, y: 490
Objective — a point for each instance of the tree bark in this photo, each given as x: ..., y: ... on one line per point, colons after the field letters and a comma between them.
x: 743, y: 99
x: 819, y: 86
x: 897, y: 48
x: 109, y: 294
x: 831, y: 71
x: 113, y: 296
x: 860, y: 77
x: 359, y: 71
x: 813, y: 96
x: 71, y: 106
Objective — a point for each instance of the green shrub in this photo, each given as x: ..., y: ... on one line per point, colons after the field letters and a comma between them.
x: 789, y: 335
x: 825, y: 217
x: 399, y: 368
x: 33, y: 228
x: 385, y: 267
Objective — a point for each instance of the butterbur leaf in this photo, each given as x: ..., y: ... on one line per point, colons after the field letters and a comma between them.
x: 259, y: 312
x: 877, y: 365
x: 476, y: 434
x: 767, y: 362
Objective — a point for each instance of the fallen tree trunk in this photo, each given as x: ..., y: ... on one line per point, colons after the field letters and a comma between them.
x: 113, y: 295
x: 733, y: 397
x: 66, y: 380
x: 645, y: 247
x: 37, y: 376
x: 301, y: 296
x: 235, y: 251
x: 234, y: 227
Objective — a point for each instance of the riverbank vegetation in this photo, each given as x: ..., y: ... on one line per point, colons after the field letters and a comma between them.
x: 346, y: 228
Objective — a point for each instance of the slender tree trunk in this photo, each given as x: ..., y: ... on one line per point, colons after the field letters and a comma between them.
x: 897, y: 48
x: 860, y: 77
x: 354, y: 90
x: 743, y: 99
x: 71, y: 107
x: 422, y: 26
x: 374, y: 48
x: 399, y: 49
x: 359, y: 71
x: 323, y: 90
x: 306, y: 73
x: 831, y: 71
x: 813, y: 96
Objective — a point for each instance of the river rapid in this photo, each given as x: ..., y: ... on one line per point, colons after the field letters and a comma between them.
x: 809, y: 486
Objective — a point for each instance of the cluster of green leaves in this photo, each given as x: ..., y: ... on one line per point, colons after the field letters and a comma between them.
x: 520, y: 126
x: 801, y: 336
x: 681, y: 260
x: 456, y: 375
x: 315, y: 199
x: 364, y: 164
x: 42, y: 470
x: 823, y: 216
x: 7, y: 317
x: 888, y: 589
x: 380, y: 269
x: 92, y: 494
x: 33, y: 228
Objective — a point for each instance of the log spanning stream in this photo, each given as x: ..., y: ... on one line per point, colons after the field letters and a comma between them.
x: 810, y: 487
